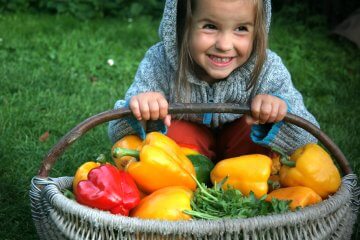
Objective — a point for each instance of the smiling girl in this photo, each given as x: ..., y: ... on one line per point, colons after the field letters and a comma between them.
x: 215, y: 51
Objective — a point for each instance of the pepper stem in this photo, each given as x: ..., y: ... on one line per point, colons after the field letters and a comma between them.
x: 284, y: 158
x: 274, y: 184
x: 122, y: 152
x: 101, y: 159
x: 287, y: 162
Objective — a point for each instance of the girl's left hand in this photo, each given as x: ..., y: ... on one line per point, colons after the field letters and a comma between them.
x: 266, y: 109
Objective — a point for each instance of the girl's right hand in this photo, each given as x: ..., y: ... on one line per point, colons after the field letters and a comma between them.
x: 150, y: 106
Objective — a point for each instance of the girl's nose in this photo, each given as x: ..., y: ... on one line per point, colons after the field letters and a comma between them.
x: 223, y: 42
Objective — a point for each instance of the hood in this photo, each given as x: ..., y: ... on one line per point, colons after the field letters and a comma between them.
x: 167, y: 29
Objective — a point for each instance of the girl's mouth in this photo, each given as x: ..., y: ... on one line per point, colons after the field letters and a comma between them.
x: 220, y: 61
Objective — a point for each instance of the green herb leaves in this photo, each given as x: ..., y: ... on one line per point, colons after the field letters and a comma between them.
x: 216, y: 203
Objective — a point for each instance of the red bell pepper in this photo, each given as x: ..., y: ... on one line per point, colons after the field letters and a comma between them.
x: 108, y: 188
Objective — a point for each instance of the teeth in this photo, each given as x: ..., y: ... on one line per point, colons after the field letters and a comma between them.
x: 217, y: 59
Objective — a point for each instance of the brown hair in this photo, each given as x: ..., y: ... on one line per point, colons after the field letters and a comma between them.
x: 185, y: 9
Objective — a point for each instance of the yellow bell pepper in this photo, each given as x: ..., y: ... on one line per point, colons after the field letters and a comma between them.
x: 189, y: 151
x: 166, y: 204
x: 300, y: 196
x: 129, y: 142
x: 311, y: 166
x: 245, y: 173
x: 83, y: 171
x: 161, y: 164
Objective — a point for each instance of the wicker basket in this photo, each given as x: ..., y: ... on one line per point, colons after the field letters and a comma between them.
x: 57, y: 217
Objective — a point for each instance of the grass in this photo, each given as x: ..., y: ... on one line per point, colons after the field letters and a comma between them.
x: 54, y: 74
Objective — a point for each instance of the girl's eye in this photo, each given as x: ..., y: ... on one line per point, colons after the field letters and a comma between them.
x: 241, y: 29
x: 209, y: 26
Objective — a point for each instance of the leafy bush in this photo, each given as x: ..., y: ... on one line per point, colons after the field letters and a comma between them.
x: 86, y: 9
x: 335, y: 11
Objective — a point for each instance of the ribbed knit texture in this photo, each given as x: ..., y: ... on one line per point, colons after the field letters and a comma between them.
x: 157, y: 73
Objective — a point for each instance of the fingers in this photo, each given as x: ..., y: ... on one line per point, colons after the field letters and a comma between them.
x: 255, y: 108
x: 261, y: 109
x: 134, y: 106
x: 273, y: 115
x: 282, y: 112
x: 267, y: 109
x: 163, y: 108
x: 149, y: 106
x: 167, y: 120
x: 249, y: 120
x: 153, y: 112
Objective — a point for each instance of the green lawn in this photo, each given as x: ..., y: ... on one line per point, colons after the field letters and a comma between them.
x: 54, y: 74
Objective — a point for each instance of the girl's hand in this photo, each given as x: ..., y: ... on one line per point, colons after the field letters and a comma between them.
x: 150, y: 106
x: 266, y: 109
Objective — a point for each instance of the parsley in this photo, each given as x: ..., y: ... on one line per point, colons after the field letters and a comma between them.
x: 216, y: 203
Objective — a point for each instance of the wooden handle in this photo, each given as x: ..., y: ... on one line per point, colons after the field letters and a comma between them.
x: 58, y: 149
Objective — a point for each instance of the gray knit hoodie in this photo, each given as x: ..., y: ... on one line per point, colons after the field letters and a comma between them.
x: 157, y: 73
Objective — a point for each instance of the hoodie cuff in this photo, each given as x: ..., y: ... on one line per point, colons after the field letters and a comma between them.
x: 151, y: 126
x: 156, y: 126
x: 137, y: 127
x: 264, y: 134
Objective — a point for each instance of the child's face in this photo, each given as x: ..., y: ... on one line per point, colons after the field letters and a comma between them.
x: 221, y: 38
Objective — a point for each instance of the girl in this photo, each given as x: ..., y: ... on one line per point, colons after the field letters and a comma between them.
x: 215, y: 51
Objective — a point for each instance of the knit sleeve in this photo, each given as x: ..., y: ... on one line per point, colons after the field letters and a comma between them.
x: 276, y: 81
x: 152, y: 76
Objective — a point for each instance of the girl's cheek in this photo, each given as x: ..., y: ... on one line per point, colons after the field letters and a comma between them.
x: 246, y: 46
x: 202, y: 42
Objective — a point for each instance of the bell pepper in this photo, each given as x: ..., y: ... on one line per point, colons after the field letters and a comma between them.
x: 202, y: 164
x: 245, y: 173
x: 161, y: 164
x: 108, y: 188
x: 300, y: 196
x: 83, y: 171
x: 311, y: 166
x: 166, y: 204
x: 188, y: 151
x: 129, y: 142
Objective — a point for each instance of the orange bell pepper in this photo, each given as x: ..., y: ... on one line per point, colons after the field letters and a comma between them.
x: 300, y: 196
x: 129, y: 142
x: 166, y: 204
x: 161, y: 163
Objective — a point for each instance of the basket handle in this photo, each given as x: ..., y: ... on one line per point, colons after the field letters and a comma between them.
x: 57, y: 150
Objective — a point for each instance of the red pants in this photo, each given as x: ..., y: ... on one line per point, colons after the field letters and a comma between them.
x: 232, y: 140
